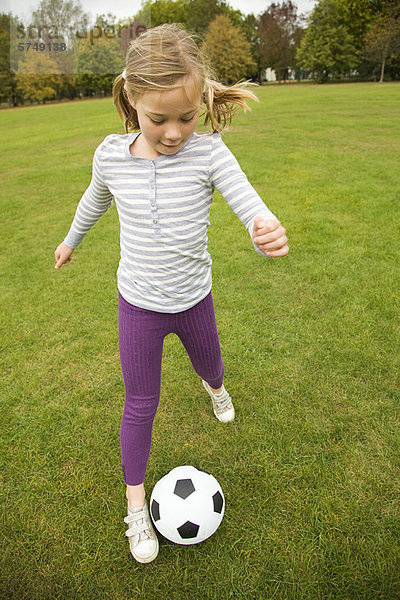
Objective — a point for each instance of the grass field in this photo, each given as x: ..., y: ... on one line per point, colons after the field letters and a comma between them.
x: 310, y: 467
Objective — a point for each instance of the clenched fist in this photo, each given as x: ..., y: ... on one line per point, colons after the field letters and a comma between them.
x: 270, y: 237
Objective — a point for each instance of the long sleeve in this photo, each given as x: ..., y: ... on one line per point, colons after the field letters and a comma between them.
x: 227, y: 176
x: 96, y: 200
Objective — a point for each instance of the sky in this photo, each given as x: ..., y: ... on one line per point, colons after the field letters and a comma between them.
x: 122, y: 8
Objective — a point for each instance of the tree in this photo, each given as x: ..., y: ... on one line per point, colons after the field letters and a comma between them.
x: 249, y: 26
x: 54, y: 28
x: 195, y: 15
x: 63, y: 17
x: 279, y: 30
x: 201, y: 13
x: 8, y: 90
x: 228, y: 50
x: 360, y: 17
x: 38, y: 77
x: 357, y: 16
x: 382, y: 41
x: 327, y: 47
x: 97, y: 64
x: 158, y: 12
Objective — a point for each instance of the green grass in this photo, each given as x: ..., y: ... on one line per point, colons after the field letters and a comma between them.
x: 310, y: 467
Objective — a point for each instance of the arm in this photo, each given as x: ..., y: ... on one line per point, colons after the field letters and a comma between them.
x: 227, y: 176
x: 96, y: 200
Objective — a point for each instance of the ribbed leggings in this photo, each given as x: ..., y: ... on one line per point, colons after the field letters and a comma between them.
x: 141, y: 338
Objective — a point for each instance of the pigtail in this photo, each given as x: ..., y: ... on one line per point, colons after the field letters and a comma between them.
x: 126, y: 112
x: 223, y: 101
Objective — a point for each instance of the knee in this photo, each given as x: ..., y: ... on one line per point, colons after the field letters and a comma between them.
x: 140, y: 410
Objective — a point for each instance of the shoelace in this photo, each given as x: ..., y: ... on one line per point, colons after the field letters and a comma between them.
x: 140, y: 521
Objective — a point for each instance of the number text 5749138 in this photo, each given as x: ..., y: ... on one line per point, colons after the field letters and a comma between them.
x: 42, y: 47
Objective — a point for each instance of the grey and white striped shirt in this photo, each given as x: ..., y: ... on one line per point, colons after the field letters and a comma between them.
x: 164, y: 208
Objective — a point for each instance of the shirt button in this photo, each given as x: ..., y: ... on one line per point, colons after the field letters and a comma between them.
x: 155, y: 221
x: 152, y: 204
x: 152, y: 186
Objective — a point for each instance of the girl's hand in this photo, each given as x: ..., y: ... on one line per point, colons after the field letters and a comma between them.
x: 63, y: 255
x: 270, y: 237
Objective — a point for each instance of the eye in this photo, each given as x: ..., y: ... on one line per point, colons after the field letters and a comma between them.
x: 161, y: 122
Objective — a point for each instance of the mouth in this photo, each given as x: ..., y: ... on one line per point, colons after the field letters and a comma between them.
x: 170, y: 145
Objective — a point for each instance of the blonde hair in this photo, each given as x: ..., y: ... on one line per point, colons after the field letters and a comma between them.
x: 159, y: 59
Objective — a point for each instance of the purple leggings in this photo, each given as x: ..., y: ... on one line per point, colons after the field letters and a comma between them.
x: 141, y: 338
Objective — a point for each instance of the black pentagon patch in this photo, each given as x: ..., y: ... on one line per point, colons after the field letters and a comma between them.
x: 218, y: 502
x: 183, y: 488
x: 155, y: 510
x: 188, y: 530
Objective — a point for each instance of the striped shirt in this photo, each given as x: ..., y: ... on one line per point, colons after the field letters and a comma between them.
x: 164, y: 209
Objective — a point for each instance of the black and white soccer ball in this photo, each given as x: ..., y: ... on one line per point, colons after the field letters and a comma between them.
x: 187, y: 505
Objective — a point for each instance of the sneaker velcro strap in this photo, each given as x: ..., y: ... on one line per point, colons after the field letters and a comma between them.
x: 137, y: 529
x: 138, y: 521
x: 223, y: 402
x: 131, y: 518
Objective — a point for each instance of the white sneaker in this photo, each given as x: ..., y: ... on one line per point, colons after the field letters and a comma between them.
x: 222, y: 404
x: 143, y: 540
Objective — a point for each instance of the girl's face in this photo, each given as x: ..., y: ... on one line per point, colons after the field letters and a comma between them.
x: 169, y: 118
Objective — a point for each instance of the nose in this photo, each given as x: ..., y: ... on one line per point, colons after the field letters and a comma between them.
x: 173, y: 134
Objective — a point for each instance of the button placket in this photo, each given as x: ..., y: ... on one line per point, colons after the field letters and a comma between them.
x: 153, y: 201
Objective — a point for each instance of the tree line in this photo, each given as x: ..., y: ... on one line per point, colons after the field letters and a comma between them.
x: 59, y: 55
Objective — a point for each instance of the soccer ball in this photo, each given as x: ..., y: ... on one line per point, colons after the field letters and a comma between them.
x: 187, y: 505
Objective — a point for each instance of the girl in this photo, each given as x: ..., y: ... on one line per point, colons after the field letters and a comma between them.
x: 162, y: 177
